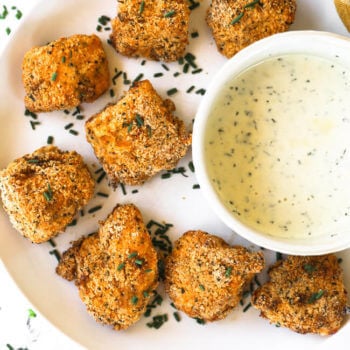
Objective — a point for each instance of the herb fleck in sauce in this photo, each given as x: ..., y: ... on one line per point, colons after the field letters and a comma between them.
x: 278, y: 144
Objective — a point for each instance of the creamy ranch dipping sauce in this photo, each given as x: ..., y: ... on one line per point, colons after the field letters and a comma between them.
x: 278, y: 146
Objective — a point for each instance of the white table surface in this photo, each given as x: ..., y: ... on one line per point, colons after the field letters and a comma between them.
x: 17, y: 329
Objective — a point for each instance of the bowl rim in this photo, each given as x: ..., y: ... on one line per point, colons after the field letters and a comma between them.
x: 252, y: 54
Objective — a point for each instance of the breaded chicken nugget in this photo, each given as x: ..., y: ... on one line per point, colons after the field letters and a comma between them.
x: 154, y: 29
x: 205, y: 277
x: 115, y: 269
x: 305, y: 294
x: 42, y: 191
x: 138, y: 136
x: 236, y: 24
x: 65, y: 73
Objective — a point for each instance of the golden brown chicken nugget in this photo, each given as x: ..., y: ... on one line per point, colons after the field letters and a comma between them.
x: 205, y: 277
x: 42, y: 192
x: 138, y: 136
x: 65, y: 73
x: 115, y: 269
x: 305, y: 294
x: 236, y: 24
x: 154, y: 29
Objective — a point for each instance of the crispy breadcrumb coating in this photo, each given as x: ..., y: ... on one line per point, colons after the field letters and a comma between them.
x: 205, y: 277
x: 138, y: 136
x: 43, y: 191
x: 156, y: 29
x: 236, y: 24
x: 115, y: 269
x: 65, y: 73
x: 305, y: 294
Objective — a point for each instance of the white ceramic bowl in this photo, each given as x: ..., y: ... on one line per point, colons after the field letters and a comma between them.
x: 321, y: 44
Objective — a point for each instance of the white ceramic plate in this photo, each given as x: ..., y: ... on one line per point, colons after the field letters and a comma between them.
x: 172, y: 200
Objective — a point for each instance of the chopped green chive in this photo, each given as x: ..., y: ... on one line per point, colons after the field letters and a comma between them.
x: 73, y: 132
x: 139, y: 262
x: 139, y: 120
x: 52, y: 242
x: 196, y: 187
x: 54, y: 76
x: 73, y: 222
x: 157, y: 75
x: 228, y: 271
x: 145, y: 294
x: 132, y: 255
x: 172, y: 91
x: 134, y: 300
x: 69, y: 126
x: 165, y: 176
x: 31, y: 313
x: 101, y: 177
x: 157, y: 321
x: 56, y: 253
x: 33, y: 161
x: 309, y: 268
x: 194, y: 34
x: 237, y: 19
x: 63, y: 59
x: 122, y: 186
x: 8, y: 31
x: 190, y: 58
x: 142, y: 7
x: 201, y: 92
x: 19, y: 14
x: 102, y: 194
x: 50, y: 140
x: 186, y: 68
x: 138, y: 78
x: 252, y: 4
x: 94, y: 209
x: 121, y: 266
x: 315, y: 296
x: 191, y: 166
x: 148, y: 270
x: 190, y: 89
x: 194, y: 5
x: 103, y: 20
x: 28, y: 113
x: 196, y: 71
x: 48, y: 193
x: 165, y: 67
x: 4, y: 13
x: 201, y: 287
x: 170, y: 14
x: 177, y: 316
x: 200, y: 321
x: 34, y: 124
x: 247, y: 307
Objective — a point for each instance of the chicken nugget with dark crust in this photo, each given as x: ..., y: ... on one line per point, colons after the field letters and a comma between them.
x: 236, y: 24
x: 205, y: 277
x: 42, y: 192
x: 115, y: 269
x: 305, y: 294
x: 65, y: 73
x: 138, y: 136
x: 154, y: 29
